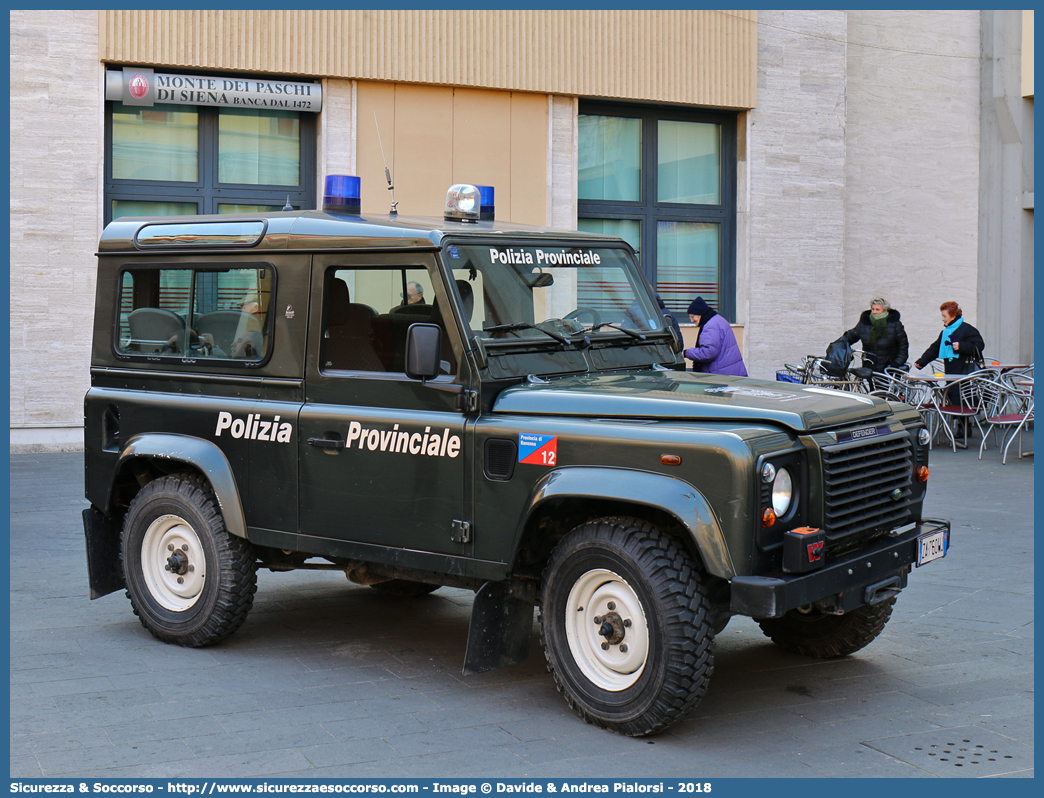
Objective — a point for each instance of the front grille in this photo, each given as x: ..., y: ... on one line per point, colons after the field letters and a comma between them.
x: 859, y: 485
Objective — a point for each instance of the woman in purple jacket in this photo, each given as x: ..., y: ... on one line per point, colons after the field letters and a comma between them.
x: 716, y: 350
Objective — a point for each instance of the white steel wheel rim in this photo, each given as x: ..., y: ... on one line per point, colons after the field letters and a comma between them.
x: 611, y: 669
x: 165, y: 536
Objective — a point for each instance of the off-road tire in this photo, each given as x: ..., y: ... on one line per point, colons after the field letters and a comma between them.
x: 404, y: 588
x: 816, y: 634
x: 661, y: 590
x: 181, y: 511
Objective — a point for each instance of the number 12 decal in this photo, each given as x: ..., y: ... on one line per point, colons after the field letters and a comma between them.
x: 537, y: 449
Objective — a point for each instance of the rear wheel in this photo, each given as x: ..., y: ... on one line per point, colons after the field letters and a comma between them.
x: 189, y: 580
x: 808, y: 631
x: 626, y: 626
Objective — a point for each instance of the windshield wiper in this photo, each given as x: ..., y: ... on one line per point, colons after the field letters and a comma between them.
x: 636, y: 336
x: 523, y: 325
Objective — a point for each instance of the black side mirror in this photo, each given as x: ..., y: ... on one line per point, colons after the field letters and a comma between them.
x: 423, y: 351
x: 678, y: 343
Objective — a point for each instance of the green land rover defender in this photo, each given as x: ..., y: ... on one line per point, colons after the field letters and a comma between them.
x: 460, y: 402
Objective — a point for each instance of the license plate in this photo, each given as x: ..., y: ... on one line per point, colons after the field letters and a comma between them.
x: 932, y: 546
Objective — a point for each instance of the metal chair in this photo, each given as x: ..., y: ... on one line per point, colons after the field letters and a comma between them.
x: 896, y: 385
x: 968, y: 390
x: 1006, y: 408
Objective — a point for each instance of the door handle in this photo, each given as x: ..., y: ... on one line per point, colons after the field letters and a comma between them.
x: 326, y: 443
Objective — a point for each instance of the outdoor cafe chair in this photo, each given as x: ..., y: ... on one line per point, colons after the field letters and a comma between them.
x: 1008, y: 407
x: 968, y: 391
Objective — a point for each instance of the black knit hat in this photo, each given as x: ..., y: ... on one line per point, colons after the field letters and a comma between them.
x: 699, y: 307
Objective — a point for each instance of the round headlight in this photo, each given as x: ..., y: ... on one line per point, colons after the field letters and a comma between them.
x: 923, y: 437
x: 768, y: 473
x: 782, y: 492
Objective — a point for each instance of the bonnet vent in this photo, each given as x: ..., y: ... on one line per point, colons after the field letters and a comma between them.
x: 499, y: 460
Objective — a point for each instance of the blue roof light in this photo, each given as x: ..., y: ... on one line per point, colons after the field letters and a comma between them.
x: 486, y: 203
x: 342, y: 194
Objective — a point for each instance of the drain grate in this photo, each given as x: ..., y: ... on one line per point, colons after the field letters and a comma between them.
x: 963, y: 751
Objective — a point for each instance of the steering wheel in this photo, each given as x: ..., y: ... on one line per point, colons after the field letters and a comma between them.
x: 584, y: 316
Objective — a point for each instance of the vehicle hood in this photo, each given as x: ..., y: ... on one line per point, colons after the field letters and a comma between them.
x: 690, y: 396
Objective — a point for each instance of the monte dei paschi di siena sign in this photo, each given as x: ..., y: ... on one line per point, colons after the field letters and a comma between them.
x: 143, y: 87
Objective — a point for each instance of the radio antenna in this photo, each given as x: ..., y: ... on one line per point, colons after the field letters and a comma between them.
x: 387, y: 173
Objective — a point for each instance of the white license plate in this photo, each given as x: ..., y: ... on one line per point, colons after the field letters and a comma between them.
x: 931, y: 546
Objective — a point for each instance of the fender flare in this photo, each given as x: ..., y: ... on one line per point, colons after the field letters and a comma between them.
x: 677, y: 497
x: 201, y: 454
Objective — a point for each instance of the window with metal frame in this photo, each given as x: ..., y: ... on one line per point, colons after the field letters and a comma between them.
x: 664, y: 180
x: 176, y: 160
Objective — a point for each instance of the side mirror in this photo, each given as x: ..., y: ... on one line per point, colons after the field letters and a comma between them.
x: 679, y: 344
x: 423, y: 351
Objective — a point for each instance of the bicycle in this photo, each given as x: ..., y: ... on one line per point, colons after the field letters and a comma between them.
x: 820, y: 371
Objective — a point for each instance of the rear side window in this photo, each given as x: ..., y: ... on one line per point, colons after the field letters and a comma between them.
x: 195, y: 313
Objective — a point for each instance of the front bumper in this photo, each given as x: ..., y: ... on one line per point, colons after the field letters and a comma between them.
x: 863, y: 577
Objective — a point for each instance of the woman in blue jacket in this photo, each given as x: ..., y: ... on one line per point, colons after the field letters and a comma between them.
x: 716, y: 350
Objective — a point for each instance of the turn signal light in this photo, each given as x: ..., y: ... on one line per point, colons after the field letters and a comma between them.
x: 670, y: 459
x: 922, y: 474
x: 768, y: 517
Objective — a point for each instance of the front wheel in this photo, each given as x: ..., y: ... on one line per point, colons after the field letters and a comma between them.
x: 808, y: 631
x: 626, y: 626
x: 189, y: 580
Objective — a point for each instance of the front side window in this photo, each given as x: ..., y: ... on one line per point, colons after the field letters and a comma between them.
x: 664, y: 181
x: 195, y: 313
x: 367, y: 313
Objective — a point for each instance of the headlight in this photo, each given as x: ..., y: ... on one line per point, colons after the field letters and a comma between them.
x: 782, y: 492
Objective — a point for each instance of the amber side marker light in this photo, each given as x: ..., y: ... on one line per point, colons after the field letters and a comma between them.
x: 670, y: 459
x: 922, y: 474
x: 768, y: 517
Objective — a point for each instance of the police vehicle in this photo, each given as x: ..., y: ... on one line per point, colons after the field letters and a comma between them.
x: 460, y: 402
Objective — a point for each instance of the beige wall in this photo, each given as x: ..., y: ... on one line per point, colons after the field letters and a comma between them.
x: 434, y: 137
x: 56, y: 198
x: 912, y: 166
x: 697, y: 57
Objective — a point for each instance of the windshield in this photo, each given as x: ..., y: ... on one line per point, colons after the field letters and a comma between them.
x: 552, y: 292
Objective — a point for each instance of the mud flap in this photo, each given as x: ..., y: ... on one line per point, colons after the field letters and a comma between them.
x: 104, y: 569
x: 501, y: 626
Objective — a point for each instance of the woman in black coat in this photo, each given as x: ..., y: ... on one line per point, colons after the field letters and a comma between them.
x: 883, y: 336
x: 959, y: 344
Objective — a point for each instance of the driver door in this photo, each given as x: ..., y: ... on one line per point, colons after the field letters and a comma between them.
x: 382, y: 456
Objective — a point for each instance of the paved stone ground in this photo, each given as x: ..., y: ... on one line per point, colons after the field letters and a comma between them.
x: 331, y: 679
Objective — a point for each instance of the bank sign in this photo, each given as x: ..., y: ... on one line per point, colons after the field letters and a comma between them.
x: 144, y: 87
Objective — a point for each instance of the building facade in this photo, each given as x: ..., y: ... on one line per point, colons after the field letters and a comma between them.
x: 785, y: 165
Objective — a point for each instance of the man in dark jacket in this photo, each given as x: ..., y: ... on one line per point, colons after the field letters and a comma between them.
x: 716, y: 350
x: 883, y: 336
